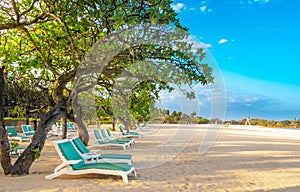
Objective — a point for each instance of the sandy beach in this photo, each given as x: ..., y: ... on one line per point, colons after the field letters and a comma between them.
x: 242, y: 158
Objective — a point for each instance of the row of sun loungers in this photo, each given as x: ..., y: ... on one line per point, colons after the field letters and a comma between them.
x: 79, y: 159
x: 104, y: 138
x: 13, y: 135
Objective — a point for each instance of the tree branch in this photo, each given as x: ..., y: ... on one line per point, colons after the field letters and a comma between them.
x: 48, y: 65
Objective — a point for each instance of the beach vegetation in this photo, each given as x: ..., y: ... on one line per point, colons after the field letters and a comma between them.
x: 178, y: 117
x: 268, y: 123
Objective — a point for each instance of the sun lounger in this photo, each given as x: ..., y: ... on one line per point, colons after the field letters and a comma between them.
x: 144, y: 128
x: 73, y: 164
x: 57, y: 132
x: 71, y: 126
x: 14, y: 136
x: 128, y: 133
x: 94, y: 156
x: 28, y: 130
x: 110, y: 135
x: 105, y: 143
x: 121, y: 140
x: 16, y: 149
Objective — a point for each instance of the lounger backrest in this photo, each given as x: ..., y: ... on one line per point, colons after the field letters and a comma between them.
x: 71, y: 126
x: 80, y: 145
x: 108, y: 132
x: 103, y: 133
x: 25, y: 128
x: 97, y: 134
x: 70, y: 153
x: 99, y: 137
x: 12, y: 132
x: 58, y: 124
x: 30, y: 128
x: 121, y: 129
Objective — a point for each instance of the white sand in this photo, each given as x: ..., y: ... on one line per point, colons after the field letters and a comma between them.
x: 241, y: 159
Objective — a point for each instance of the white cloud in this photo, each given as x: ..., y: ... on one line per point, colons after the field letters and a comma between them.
x: 252, y: 2
x: 203, y: 45
x: 203, y: 8
x: 223, y: 41
x: 177, y: 7
x: 198, y: 44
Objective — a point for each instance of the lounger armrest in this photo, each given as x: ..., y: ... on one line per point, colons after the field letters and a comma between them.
x: 102, y: 140
x: 94, y: 151
x: 96, y: 143
x: 91, y: 146
x: 118, y: 135
x: 89, y: 157
x: 66, y: 163
x: 72, y: 162
x: 114, y: 137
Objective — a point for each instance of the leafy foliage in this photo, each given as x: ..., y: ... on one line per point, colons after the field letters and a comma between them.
x: 44, y: 43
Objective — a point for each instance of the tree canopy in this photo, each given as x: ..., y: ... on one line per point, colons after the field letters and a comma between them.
x: 46, y: 46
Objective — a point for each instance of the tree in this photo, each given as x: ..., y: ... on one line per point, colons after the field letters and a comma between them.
x: 140, y: 105
x: 202, y: 120
x: 46, y: 41
x: 5, y: 158
x: 193, y: 114
x: 185, y: 118
x: 23, y: 97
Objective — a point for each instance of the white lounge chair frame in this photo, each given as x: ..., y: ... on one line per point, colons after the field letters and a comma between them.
x: 105, y: 135
x: 93, y: 154
x: 101, y: 142
x: 19, y: 137
x: 55, y: 131
x: 26, y: 130
x: 126, y: 134
x: 65, y: 167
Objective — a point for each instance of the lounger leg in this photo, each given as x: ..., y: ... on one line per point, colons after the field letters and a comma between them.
x: 125, y: 178
x: 53, y: 175
x: 134, y: 172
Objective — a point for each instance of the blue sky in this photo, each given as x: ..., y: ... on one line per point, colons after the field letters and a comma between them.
x: 256, y: 46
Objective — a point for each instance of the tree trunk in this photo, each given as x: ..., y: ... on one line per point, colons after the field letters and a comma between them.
x: 4, y: 143
x: 34, y: 149
x: 59, y: 88
x: 25, y: 160
x: 64, y: 126
x: 35, y: 122
x: 113, y: 123
x: 27, y: 116
x: 82, y: 130
x: 126, y: 122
